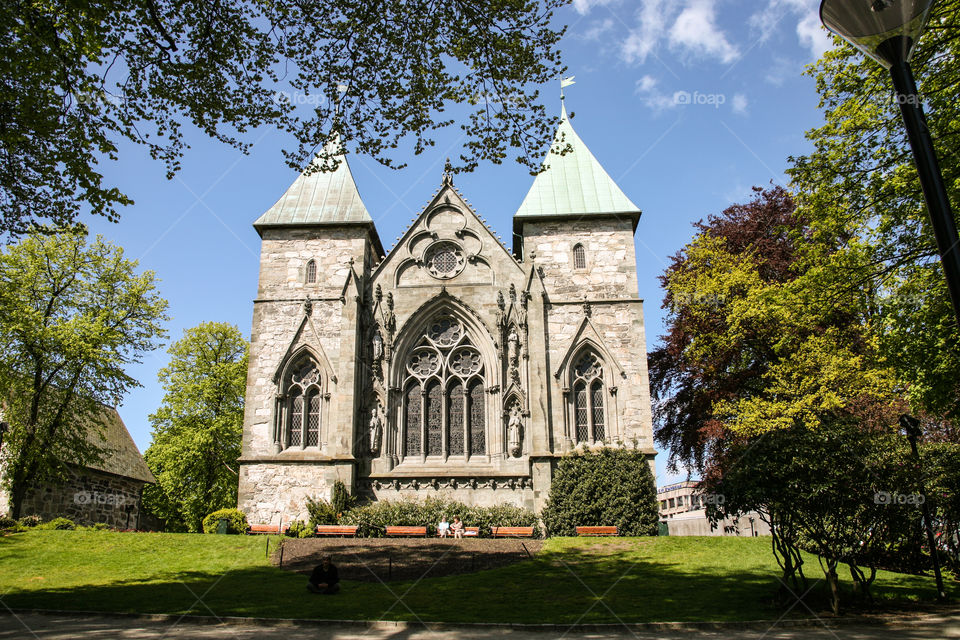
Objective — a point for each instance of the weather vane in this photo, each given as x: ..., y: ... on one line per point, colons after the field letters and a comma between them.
x: 566, y: 82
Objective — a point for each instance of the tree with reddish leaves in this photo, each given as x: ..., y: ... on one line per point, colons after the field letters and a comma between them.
x: 685, y: 389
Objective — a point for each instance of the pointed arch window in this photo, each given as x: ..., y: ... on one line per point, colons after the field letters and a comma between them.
x: 579, y: 257
x: 303, y: 407
x: 589, y: 410
x: 312, y: 272
x: 444, y: 401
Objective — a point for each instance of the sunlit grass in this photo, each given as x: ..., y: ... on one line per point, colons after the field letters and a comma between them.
x: 571, y: 580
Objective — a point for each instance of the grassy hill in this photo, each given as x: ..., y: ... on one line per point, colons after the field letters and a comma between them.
x: 571, y: 580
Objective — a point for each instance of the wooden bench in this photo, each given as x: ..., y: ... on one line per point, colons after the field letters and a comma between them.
x: 468, y: 532
x: 265, y: 528
x: 337, y: 530
x: 596, y: 531
x: 410, y: 532
x: 512, y: 532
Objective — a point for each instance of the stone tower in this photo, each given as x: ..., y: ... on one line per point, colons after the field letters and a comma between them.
x: 452, y: 365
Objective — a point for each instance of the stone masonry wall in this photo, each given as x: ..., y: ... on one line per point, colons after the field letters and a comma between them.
x: 88, y: 497
x: 271, y: 491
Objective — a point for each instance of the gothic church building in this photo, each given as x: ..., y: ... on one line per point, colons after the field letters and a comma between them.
x: 451, y: 364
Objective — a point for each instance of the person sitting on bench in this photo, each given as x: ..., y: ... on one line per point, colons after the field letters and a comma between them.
x: 443, y: 528
x: 324, y: 578
x: 457, y: 527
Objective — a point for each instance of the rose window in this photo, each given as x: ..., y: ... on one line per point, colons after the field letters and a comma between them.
x: 444, y: 260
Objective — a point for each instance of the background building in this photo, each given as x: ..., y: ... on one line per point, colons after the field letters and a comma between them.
x: 451, y: 363
x: 683, y: 512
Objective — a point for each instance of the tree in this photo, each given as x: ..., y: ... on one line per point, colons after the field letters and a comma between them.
x: 73, y: 317
x: 376, y: 74
x: 197, y: 429
x: 606, y: 487
x: 859, y: 187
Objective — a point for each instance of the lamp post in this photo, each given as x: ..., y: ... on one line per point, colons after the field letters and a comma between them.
x: 887, y: 31
x: 912, y: 426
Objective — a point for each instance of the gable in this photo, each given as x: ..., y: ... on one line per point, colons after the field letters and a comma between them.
x: 447, y: 245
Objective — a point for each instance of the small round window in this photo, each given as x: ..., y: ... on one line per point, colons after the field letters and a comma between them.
x: 444, y: 260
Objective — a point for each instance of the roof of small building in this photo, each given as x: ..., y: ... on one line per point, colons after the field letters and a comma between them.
x: 319, y: 197
x: 573, y: 183
x: 122, y: 457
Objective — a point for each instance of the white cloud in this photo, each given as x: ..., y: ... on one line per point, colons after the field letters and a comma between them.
x: 598, y: 29
x: 652, y: 97
x: 808, y: 29
x: 739, y: 103
x: 641, y: 41
x: 583, y: 6
x: 688, y: 26
x: 695, y: 31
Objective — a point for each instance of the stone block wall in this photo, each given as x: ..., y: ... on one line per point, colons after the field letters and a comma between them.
x: 88, y: 497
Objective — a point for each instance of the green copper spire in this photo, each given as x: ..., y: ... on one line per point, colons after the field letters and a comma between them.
x: 574, y: 184
x: 321, y: 198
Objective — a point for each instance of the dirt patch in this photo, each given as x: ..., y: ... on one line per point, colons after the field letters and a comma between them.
x: 392, y: 559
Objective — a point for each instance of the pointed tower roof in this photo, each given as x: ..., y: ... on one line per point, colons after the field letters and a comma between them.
x: 320, y: 198
x: 574, y: 184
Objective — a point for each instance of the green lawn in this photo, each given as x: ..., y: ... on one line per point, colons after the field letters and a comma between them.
x: 639, y: 579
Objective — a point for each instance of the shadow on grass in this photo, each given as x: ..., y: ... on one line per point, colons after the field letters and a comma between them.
x: 620, y: 581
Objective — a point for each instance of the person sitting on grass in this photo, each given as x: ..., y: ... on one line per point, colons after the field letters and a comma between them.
x: 443, y: 528
x: 324, y: 578
x: 457, y: 527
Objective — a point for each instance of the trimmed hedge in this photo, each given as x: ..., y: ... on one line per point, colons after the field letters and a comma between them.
x: 237, y: 521
x: 59, y: 524
x: 321, y: 512
x: 299, y: 529
x: 372, y: 519
x: 31, y: 521
x: 606, y: 487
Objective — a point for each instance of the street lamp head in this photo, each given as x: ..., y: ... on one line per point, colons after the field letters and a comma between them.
x: 885, y: 30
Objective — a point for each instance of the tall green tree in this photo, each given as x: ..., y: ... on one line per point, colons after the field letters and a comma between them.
x: 859, y: 188
x: 198, y: 428
x: 73, y: 316
x: 79, y: 79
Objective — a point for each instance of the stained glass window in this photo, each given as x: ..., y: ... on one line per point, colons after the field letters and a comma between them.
x: 580, y: 400
x: 304, y: 411
x: 455, y: 419
x: 478, y: 444
x: 434, y: 419
x: 596, y: 392
x: 413, y: 420
x: 589, y: 417
x: 450, y: 368
x: 296, y: 421
x: 313, y: 420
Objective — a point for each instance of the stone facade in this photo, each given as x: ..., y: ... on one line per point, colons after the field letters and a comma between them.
x: 451, y: 366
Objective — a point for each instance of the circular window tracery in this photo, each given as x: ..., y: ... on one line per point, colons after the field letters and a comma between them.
x: 466, y: 362
x: 445, y: 332
x: 423, y: 363
x: 444, y: 260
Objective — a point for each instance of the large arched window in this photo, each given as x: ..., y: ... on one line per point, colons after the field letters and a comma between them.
x: 443, y: 394
x: 589, y: 415
x: 303, y: 405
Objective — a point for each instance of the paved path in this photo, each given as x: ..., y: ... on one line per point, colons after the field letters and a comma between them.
x: 72, y: 627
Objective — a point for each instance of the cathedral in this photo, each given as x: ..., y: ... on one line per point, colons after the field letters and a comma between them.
x: 451, y: 364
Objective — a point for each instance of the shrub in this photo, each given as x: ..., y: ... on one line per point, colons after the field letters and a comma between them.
x: 7, y: 523
x: 236, y: 521
x: 31, y: 521
x: 341, y: 501
x: 321, y: 512
x: 603, y: 488
x: 299, y: 529
x: 60, y: 524
x: 372, y: 519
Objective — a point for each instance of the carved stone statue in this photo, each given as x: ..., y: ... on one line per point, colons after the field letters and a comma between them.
x: 377, y: 346
x: 376, y: 430
x: 513, y: 346
x: 515, y: 432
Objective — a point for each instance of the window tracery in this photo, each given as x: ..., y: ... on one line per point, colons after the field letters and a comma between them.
x: 303, y: 390
x: 589, y: 415
x: 444, y: 413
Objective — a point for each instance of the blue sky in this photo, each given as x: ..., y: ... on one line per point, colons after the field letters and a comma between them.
x: 686, y: 103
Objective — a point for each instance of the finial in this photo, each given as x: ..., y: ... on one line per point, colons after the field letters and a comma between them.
x: 565, y: 82
x: 448, y: 173
x: 587, y: 309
